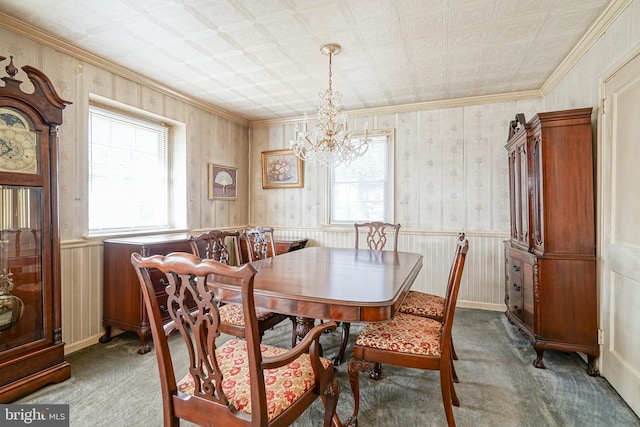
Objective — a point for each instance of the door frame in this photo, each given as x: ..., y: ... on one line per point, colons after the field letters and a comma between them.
x: 604, y: 179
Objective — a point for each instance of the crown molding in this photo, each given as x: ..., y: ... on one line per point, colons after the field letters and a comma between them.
x: 608, y: 17
x: 419, y: 106
x: 46, y: 39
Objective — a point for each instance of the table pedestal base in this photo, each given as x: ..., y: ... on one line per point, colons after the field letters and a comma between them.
x: 303, y: 326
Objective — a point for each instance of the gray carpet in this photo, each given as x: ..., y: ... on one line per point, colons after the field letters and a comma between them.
x: 112, y: 385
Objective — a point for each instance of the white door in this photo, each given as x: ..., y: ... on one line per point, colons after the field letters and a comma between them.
x: 619, y: 225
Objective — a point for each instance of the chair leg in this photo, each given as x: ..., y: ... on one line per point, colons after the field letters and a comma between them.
x: 293, y: 331
x: 330, y: 400
x: 355, y: 367
x: 346, y: 327
x: 453, y: 351
x: 376, y: 372
x: 454, y: 395
x: 446, y: 385
x: 453, y: 372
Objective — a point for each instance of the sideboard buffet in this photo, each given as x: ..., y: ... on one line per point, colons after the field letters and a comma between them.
x: 123, y: 307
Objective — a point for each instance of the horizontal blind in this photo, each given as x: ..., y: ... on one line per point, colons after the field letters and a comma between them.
x: 128, y: 173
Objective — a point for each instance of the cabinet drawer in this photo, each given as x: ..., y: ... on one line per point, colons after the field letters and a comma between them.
x: 159, y: 280
x: 514, y: 266
x: 160, y: 283
x: 162, y: 303
x: 515, y: 300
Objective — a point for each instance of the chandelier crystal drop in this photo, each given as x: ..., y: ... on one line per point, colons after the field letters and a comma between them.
x: 331, y: 143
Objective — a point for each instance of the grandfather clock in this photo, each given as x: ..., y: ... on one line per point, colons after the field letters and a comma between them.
x: 31, y: 347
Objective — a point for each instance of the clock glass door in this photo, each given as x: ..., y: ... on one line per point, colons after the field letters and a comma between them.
x: 22, y: 294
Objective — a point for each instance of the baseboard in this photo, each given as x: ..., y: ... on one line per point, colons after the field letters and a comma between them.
x: 87, y: 342
x: 481, y: 305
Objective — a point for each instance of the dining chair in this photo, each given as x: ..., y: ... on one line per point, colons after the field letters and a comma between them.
x: 259, y: 243
x: 430, y: 305
x: 222, y: 246
x: 412, y: 342
x: 238, y: 382
x: 214, y: 245
x: 375, y: 234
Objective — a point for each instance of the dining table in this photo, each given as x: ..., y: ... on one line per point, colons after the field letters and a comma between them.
x: 341, y: 284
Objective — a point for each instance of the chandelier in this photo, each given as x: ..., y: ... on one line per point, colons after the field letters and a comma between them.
x: 331, y: 143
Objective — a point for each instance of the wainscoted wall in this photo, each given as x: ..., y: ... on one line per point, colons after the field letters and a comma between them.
x: 482, y: 287
x: 81, y: 294
x: 483, y: 280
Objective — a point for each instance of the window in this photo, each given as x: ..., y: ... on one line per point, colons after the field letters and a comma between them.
x: 363, y: 190
x: 128, y: 173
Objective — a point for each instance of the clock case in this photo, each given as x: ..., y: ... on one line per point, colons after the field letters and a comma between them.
x: 31, y: 350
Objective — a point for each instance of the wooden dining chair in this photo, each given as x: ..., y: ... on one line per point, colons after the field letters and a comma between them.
x: 412, y: 342
x: 375, y: 234
x: 214, y: 245
x: 259, y: 243
x: 238, y: 382
x: 222, y: 246
x: 430, y: 305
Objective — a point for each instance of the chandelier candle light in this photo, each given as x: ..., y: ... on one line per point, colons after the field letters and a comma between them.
x: 331, y: 143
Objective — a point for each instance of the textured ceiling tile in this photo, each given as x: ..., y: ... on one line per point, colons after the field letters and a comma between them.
x: 261, y: 59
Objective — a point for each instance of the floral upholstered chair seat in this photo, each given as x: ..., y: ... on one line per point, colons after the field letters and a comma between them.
x: 404, y: 333
x: 423, y: 304
x: 284, y: 385
x: 232, y: 314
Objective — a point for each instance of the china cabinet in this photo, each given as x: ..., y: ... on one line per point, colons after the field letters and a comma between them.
x: 550, y: 263
x: 31, y: 347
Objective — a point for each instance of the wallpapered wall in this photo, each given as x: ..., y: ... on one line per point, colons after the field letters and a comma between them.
x: 209, y: 138
x: 450, y: 170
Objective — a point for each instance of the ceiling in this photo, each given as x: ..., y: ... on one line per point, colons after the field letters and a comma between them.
x: 261, y: 60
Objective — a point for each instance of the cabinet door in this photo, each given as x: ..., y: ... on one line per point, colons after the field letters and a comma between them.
x: 513, y: 183
x: 537, y: 224
x: 520, y: 196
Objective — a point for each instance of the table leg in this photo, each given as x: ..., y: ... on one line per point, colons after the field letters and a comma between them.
x: 303, y: 326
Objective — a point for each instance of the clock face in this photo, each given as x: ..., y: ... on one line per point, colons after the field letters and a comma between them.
x: 18, y: 146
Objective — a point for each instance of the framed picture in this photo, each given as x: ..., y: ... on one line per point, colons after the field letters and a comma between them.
x: 223, y: 182
x: 282, y: 169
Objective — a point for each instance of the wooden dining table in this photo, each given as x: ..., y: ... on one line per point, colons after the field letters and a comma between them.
x: 341, y: 284
x: 345, y: 285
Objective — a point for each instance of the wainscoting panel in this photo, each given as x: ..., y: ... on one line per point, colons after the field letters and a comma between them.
x: 483, y: 280
x: 81, y: 295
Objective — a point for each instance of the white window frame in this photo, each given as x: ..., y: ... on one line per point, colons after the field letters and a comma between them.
x: 136, y: 118
x: 389, y: 208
